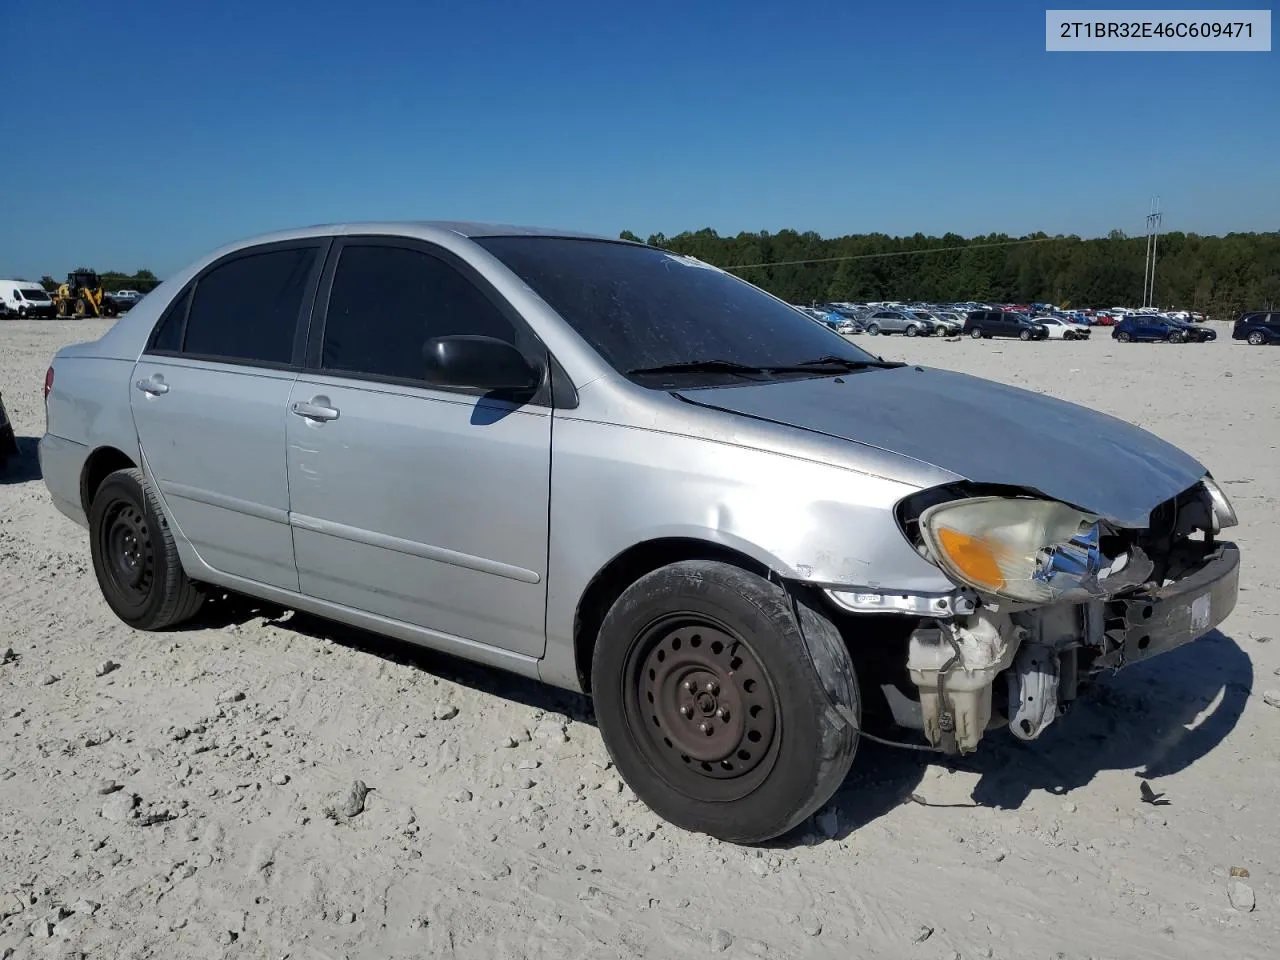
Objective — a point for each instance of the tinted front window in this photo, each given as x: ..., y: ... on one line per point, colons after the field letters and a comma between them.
x: 247, y: 309
x: 643, y: 307
x: 387, y: 302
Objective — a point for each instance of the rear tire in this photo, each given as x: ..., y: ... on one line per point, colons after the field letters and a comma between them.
x: 134, y: 556
x: 716, y: 709
x: 1257, y: 339
x: 975, y: 334
x: 1122, y: 337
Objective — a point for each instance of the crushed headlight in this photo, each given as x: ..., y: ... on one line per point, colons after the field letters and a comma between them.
x: 1030, y: 551
x: 1223, y: 512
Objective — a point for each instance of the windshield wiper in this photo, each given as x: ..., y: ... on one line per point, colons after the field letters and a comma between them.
x: 817, y: 365
x: 702, y: 366
x: 844, y: 363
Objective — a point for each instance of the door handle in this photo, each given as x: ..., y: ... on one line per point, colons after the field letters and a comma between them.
x: 154, y: 386
x: 317, y: 409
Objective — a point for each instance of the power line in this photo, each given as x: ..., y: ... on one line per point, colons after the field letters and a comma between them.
x: 894, y: 253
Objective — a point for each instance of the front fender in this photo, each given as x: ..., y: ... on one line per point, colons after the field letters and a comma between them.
x: 616, y: 487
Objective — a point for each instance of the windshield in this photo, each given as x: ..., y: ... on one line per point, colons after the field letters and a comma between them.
x: 33, y: 293
x: 641, y: 307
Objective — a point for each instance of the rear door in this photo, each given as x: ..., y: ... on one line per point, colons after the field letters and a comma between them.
x: 422, y: 504
x: 209, y: 398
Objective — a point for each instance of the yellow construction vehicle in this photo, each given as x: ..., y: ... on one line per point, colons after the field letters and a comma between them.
x: 82, y: 296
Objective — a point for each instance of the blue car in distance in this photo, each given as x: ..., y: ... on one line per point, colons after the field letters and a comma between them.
x: 1140, y: 327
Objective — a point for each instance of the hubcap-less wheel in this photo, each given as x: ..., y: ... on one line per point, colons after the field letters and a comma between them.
x: 874, y: 330
x: 1122, y: 337
x: 1255, y: 338
x: 128, y: 551
x: 912, y: 331
x: 702, y: 709
x: 1024, y: 335
x: 975, y: 333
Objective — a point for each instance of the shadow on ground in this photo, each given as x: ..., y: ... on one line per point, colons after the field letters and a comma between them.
x: 24, y: 466
x: 223, y: 611
x: 1156, y: 718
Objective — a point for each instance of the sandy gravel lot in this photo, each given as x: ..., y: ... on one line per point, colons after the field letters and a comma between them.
x: 495, y: 828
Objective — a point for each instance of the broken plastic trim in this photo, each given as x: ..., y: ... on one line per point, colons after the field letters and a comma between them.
x: 840, y: 708
x: 960, y: 602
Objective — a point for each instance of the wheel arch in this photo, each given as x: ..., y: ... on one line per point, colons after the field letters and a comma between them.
x: 629, y: 566
x: 103, y: 462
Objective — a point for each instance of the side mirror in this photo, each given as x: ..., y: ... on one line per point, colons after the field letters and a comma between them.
x: 483, y: 362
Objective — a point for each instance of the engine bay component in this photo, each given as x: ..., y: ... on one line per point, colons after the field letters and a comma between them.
x: 954, y: 665
x: 1033, y: 690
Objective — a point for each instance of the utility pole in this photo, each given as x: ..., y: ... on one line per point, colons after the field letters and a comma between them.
x: 1149, y: 269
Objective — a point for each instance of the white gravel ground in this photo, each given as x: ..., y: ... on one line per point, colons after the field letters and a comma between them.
x: 494, y: 826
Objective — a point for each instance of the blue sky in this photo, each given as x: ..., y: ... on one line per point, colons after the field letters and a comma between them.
x: 196, y: 124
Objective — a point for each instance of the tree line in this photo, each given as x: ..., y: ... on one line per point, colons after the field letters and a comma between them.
x: 144, y: 281
x: 1219, y: 276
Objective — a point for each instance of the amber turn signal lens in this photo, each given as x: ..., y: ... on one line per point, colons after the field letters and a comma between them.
x: 977, y: 559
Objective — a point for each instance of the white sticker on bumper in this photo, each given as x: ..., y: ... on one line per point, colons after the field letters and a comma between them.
x: 1200, y: 609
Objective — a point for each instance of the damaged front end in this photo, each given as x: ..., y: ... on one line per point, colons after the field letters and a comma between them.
x: 1048, y: 596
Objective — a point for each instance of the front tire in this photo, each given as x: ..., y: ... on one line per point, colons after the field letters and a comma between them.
x: 874, y: 330
x: 912, y: 331
x: 1025, y: 335
x: 716, y: 709
x: 134, y: 556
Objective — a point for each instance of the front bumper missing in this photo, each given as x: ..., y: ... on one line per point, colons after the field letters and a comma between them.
x: 1141, y: 626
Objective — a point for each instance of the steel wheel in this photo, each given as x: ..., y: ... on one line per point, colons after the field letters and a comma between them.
x: 702, y: 708
x: 129, y: 552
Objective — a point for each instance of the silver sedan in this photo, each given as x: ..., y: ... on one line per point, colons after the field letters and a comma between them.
x: 624, y: 472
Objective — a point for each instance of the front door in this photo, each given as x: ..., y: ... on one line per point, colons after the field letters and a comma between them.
x: 209, y: 397
x: 424, y: 505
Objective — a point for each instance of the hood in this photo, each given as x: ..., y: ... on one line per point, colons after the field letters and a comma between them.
x: 982, y: 431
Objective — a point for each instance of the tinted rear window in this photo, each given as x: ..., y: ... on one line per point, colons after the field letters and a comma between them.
x: 247, y: 309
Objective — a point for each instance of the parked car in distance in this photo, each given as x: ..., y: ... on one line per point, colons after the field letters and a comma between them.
x: 1258, y: 328
x: 125, y: 299
x: 517, y: 446
x: 25, y: 298
x: 898, y: 321
x: 953, y: 321
x: 1148, y: 328
x: 1062, y: 329
x: 1193, y: 333
x: 984, y: 324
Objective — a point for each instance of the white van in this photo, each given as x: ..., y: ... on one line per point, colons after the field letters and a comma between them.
x: 25, y: 298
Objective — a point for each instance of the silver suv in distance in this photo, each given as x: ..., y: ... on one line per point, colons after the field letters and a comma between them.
x: 628, y: 473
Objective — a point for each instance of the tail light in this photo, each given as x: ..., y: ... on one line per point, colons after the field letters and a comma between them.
x: 48, y: 382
